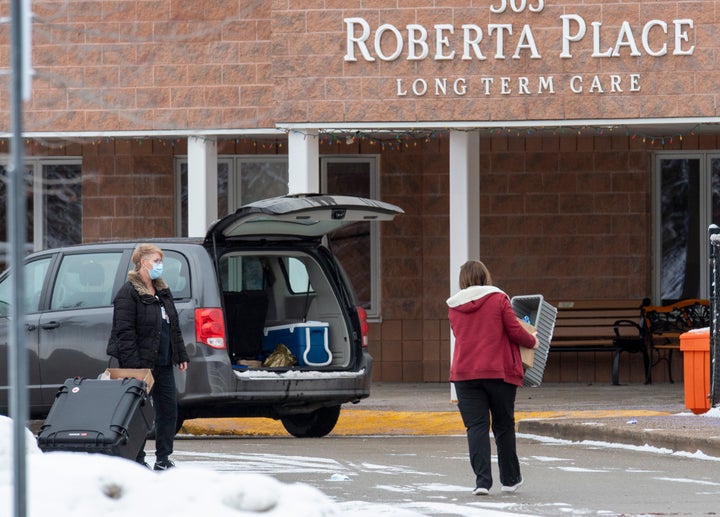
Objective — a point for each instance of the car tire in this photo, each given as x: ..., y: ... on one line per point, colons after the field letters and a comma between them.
x: 315, y: 424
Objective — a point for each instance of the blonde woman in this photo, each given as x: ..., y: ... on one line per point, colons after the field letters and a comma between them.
x: 146, y: 334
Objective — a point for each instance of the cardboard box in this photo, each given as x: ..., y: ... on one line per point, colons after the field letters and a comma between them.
x: 141, y: 374
x: 307, y: 341
x: 250, y: 363
x: 527, y: 354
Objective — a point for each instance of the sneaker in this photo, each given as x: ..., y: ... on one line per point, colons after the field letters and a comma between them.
x: 480, y: 491
x: 512, y: 488
x: 143, y: 464
x: 164, y: 465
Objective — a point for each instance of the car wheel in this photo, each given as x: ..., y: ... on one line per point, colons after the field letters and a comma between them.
x: 315, y: 424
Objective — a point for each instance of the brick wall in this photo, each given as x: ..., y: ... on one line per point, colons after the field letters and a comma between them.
x: 314, y: 81
x: 563, y: 216
x: 128, y: 190
x: 107, y: 65
x: 568, y: 217
x: 178, y: 64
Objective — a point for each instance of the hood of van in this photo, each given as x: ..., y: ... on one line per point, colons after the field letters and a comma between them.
x: 308, y: 215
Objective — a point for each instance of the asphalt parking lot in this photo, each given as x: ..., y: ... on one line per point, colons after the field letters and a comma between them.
x: 635, y: 414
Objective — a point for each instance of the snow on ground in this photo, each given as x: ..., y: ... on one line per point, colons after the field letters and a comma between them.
x: 72, y: 484
x: 78, y: 484
x: 712, y: 413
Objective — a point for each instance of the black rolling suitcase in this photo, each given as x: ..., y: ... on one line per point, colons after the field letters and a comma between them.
x: 102, y: 416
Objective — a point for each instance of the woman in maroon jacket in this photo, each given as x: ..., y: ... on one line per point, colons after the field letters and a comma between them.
x: 486, y: 370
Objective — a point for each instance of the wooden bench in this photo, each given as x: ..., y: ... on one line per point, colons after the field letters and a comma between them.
x: 665, y: 323
x: 600, y: 326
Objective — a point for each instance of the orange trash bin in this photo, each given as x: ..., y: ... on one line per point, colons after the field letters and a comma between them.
x: 695, y: 346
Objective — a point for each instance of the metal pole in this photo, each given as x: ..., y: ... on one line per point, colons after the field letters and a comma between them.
x: 714, y: 238
x: 17, y: 363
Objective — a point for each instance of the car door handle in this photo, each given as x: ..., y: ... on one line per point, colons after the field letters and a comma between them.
x: 50, y: 325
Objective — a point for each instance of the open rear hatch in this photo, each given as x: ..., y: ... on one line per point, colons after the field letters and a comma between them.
x: 306, y: 313
x: 307, y: 215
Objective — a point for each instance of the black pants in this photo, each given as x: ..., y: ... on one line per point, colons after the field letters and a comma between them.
x: 478, y: 401
x: 165, y: 404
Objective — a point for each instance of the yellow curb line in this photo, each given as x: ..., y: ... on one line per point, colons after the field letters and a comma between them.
x: 387, y: 423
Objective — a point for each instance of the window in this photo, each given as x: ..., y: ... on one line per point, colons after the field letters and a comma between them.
x: 60, y: 198
x: 243, y: 273
x: 54, y: 203
x: 4, y: 216
x: 258, y: 178
x: 253, y: 273
x: 298, y: 277
x: 176, y: 273
x: 686, y: 201
x: 244, y: 179
x: 85, y: 280
x: 35, y: 272
x: 241, y: 180
x: 358, y: 246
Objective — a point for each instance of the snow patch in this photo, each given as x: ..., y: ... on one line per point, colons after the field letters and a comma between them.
x: 68, y: 484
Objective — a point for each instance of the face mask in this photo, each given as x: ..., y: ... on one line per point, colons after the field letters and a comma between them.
x: 156, y: 271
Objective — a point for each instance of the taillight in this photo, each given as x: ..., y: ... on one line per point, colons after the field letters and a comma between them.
x: 210, y: 327
x: 362, y: 314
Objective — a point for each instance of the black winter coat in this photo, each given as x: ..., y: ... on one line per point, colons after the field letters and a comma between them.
x: 137, y: 324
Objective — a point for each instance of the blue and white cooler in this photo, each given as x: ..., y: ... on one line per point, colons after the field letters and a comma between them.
x: 307, y: 341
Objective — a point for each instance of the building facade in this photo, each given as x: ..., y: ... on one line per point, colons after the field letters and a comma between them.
x: 571, y: 146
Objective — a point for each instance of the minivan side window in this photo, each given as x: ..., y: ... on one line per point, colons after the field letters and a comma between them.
x: 85, y: 280
x: 35, y: 272
x: 297, y: 276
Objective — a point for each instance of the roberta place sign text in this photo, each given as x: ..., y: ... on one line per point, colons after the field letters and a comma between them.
x: 655, y: 38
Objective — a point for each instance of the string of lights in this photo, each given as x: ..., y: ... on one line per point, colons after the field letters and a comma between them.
x: 390, y: 139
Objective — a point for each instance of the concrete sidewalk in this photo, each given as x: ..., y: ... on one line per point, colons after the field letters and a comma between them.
x: 634, y: 414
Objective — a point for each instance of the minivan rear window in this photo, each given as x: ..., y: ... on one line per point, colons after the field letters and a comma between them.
x: 176, y: 273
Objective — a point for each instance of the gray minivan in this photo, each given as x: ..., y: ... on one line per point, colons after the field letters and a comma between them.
x: 263, y: 276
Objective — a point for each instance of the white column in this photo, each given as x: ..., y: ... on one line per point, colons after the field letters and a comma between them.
x: 202, y: 184
x: 464, y: 201
x: 303, y: 162
x: 464, y: 208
